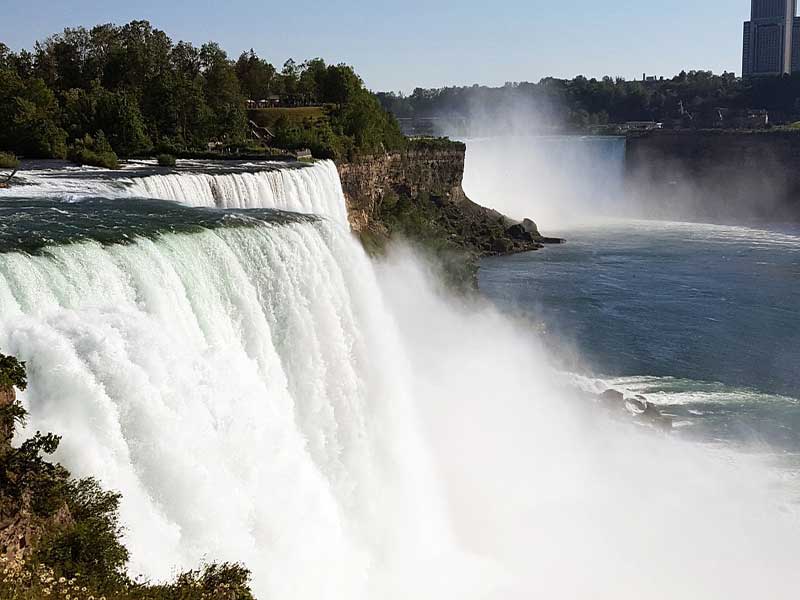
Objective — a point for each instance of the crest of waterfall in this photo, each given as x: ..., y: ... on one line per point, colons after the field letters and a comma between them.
x: 310, y: 189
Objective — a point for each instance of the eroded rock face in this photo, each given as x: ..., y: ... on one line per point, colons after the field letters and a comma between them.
x: 430, y: 179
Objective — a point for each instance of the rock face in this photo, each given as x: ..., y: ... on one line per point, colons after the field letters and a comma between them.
x: 716, y: 174
x: 638, y: 407
x: 420, y: 188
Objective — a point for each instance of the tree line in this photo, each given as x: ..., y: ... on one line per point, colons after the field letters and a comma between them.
x: 693, y: 99
x: 129, y: 89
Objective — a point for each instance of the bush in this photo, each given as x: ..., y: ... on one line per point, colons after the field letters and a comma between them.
x: 8, y: 161
x: 95, y: 152
x: 166, y: 160
x: 12, y: 373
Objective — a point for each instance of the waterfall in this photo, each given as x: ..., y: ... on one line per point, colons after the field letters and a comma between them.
x: 268, y: 394
x: 313, y: 189
x: 233, y: 385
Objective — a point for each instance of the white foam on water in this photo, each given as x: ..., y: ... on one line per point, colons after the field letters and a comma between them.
x: 269, y: 395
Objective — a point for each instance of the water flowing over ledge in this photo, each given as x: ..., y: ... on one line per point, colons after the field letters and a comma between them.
x: 269, y: 395
x: 294, y: 187
x: 312, y: 190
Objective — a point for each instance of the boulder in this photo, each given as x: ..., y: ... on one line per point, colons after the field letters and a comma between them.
x: 518, y: 232
x: 530, y: 227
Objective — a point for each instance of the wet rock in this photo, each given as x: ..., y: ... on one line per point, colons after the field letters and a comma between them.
x: 530, y: 227
x: 518, y: 232
x: 656, y: 418
x: 612, y: 399
x: 638, y: 407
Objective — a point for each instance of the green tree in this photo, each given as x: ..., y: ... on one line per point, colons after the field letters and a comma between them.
x: 29, y: 115
x: 256, y: 76
x: 340, y: 84
x: 223, y: 95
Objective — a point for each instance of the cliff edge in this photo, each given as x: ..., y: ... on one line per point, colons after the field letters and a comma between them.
x: 417, y: 194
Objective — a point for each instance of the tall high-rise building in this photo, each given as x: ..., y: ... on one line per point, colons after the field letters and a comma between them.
x: 771, y: 38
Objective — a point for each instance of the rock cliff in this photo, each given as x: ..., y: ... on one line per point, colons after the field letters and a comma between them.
x: 417, y: 194
x: 716, y: 174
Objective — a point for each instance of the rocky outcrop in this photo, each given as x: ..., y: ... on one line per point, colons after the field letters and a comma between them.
x: 640, y: 408
x: 417, y: 193
x: 716, y: 175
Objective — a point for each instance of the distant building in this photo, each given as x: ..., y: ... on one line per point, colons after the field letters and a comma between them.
x: 771, y: 38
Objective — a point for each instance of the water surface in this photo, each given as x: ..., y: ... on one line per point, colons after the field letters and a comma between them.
x: 703, y: 319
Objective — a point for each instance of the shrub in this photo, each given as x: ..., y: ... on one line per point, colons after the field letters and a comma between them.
x: 166, y: 160
x: 95, y: 152
x: 8, y: 161
x: 12, y: 372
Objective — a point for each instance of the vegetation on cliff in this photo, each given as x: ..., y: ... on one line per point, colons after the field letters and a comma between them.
x: 61, y: 537
x: 416, y: 195
x: 148, y: 95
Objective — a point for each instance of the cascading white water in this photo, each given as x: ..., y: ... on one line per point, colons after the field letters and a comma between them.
x: 310, y: 189
x: 264, y: 394
x: 313, y: 189
x: 233, y: 385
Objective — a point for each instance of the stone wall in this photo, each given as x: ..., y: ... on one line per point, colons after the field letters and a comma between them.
x: 716, y: 174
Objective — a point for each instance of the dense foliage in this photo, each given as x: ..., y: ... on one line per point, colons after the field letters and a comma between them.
x: 690, y: 99
x: 147, y: 94
x: 78, y: 552
x: 166, y: 160
x: 8, y: 161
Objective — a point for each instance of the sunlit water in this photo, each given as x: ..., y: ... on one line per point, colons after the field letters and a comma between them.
x: 259, y: 390
x: 702, y: 319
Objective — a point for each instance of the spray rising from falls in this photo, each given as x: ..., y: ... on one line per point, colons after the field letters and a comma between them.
x: 266, y: 394
x: 556, y: 180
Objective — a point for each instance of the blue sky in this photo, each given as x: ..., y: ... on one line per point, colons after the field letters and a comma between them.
x: 410, y: 43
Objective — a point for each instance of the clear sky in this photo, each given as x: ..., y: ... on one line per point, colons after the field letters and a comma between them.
x: 403, y: 44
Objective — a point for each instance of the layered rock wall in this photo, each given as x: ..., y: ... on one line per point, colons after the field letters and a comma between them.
x: 426, y: 180
x: 716, y: 174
